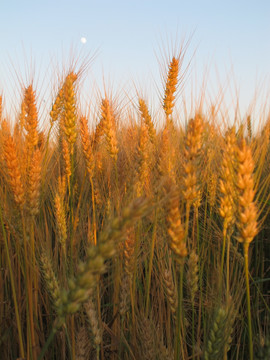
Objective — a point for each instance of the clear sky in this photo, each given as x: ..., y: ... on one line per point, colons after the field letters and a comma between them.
x: 128, y: 35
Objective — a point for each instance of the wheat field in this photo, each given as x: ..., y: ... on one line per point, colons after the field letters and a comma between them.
x: 133, y: 240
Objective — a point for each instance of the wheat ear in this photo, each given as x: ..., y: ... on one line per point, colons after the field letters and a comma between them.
x: 80, y: 288
x: 170, y: 291
x: 170, y: 89
x: 109, y: 128
x: 34, y: 183
x: 193, y: 144
x: 70, y: 114
x: 143, y: 180
x: 61, y: 224
x: 87, y: 148
x: 147, y: 120
x: 31, y: 117
x: 14, y: 172
x: 92, y: 315
x: 50, y: 279
x: 218, y: 340
x: 175, y: 228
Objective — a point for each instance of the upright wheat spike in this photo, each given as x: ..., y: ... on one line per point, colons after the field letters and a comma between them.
x: 193, y: 143
x: 62, y: 187
x: 192, y: 275
x: 143, y: 163
x: 227, y: 207
x: 34, y: 182
x: 170, y: 291
x: 109, y: 128
x: 99, y: 132
x: 124, y: 303
x: 14, y: 172
x: 92, y: 315
x: 70, y: 114
x: 87, y: 148
x: 247, y: 209
x: 147, y: 120
x: 60, y: 217
x: 167, y: 157
x: 247, y: 215
x: 66, y: 157
x: 82, y: 344
x: 147, y: 338
x: 175, y: 229
x: 57, y: 105
x: 129, y: 254
x: 31, y: 118
x: 50, y: 279
x: 170, y: 89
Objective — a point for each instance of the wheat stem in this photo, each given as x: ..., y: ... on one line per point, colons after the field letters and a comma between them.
x: 150, y: 265
x: 246, y: 247
x: 17, y: 315
x: 222, y: 260
x: 47, y: 344
x: 179, y: 325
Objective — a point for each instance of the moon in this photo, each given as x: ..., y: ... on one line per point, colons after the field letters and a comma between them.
x: 83, y: 40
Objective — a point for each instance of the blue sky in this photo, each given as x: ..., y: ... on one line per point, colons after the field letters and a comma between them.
x: 128, y: 35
